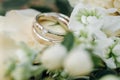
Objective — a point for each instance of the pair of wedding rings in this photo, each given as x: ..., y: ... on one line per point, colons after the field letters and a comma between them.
x: 49, y: 28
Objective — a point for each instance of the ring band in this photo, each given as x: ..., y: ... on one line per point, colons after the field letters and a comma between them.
x: 49, y: 35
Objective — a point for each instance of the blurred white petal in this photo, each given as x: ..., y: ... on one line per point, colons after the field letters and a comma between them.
x: 110, y: 63
x: 110, y: 77
x: 78, y: 63
x: 53, y: 57
x: 116, y: 50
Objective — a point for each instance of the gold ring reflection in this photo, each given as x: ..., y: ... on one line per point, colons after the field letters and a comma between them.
x: 49, y: 28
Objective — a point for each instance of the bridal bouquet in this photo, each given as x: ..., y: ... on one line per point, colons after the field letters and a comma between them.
x: 90, y: 49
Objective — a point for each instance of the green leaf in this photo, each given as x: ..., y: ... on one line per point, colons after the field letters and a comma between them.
x: 38, y: 73
x: 11, y: 66
x: 68, y: 41
x: 22, y: 71
x: 14, y: 4
x: 63, y: 7
x: 41, y: 8
x: 98, y: 62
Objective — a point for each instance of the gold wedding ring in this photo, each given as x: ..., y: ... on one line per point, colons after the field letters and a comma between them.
x: 49, y: 28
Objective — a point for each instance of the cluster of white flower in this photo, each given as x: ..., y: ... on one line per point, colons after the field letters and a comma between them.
x: 100, y: 26
x: 96, y: 32
x: 14, y: 61
x: 91, y: 24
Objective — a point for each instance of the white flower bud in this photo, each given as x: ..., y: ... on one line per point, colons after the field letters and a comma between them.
x: 78, y: 63
x: 110, y: 77
x: 53, y: 57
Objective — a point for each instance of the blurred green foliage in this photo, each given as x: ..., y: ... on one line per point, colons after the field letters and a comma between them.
x: 61, y: 6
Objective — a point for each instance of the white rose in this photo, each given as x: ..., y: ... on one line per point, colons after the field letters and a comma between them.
x: 53, y: 57
x: 18, y: 25
x: 110, y: 77
x: 78, y: 63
